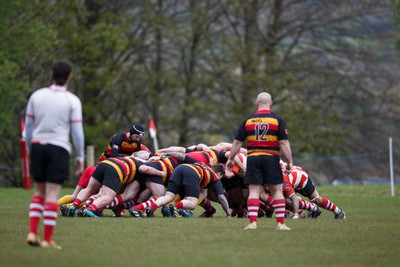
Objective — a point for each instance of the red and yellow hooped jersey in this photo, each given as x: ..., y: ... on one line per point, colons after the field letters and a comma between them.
x: 263, y: 130
x: 168, y: 165
x: 120, y: 146
x: 206, y: 175
x: 126, y: 168
x: 206, y: 156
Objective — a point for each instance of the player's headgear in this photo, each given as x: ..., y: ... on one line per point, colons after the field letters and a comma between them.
x: 137, y: 129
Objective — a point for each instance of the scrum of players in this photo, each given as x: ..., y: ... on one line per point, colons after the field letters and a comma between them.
x: 129, y: 177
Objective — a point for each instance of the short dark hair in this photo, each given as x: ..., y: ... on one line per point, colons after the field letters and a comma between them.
x: 218, y: 168
x: 61, y: 70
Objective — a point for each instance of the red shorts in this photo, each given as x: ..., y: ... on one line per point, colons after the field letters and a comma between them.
x: 85, y: 177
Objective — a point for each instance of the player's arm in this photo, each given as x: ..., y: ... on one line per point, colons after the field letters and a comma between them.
x: 284, y: 146
x: 290, y: 193
x: 227, y: 147
x: 78, y: 136
x: 224, y: 204
x: 150, y: 170
x: 234, y: 150
x: 79, y: 143
x: 142, y: 155
x: 154, y: 158
x: 202, y: 147
x: 219, y: 191
x: 295, y: 202
x: 115, y: 144
x: 222, y: 146
x: 172, y: 149
x: 29, y: 125
x: 178, y: 155
x: 239, y: 160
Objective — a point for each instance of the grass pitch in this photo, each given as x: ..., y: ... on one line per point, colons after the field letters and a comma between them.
x: 369, y: 237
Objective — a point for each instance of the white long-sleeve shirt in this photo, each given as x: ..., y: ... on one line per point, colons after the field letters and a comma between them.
x: 52, y: 114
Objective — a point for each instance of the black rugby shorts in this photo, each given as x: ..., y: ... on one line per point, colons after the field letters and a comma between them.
x: 49, y: 163
x: 263, y: 170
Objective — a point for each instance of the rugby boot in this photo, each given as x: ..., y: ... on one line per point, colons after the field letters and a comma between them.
x: 185, y: 213
x: 165, y: 211
x: 251, y: 226
x: 71, y: 211
x: 64, y: 210
x: 117, y: 212
x: 315, y: 213
x: 234, y: 212
x: 33, y: 240
x: 80, y: 212
x: 90, y: 214
x: 134, y: 213
x: 174, y: 210
x: 149, y: 212
x: 98, y: 213
x: 341, y: 215
x: 208, y: 214
x: 242, y: 213
x: 282, y: 227
x: 51, y: 245
x: 261, y: 213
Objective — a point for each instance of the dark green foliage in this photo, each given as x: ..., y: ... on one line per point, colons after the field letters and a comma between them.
x: 196, y: 67
x: 23, y: 43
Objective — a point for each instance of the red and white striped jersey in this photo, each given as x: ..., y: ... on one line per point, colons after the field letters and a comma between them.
x: 298, y: 178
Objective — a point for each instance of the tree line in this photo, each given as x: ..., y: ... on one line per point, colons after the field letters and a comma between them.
x: 195, y: 67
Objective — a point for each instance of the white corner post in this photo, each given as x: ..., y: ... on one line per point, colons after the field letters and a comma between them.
x: 391, y: 166
x: 89, y: 156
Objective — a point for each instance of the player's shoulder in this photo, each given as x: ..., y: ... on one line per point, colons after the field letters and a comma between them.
x: 276, y: 116
x: 298, y: 169
x: 120, y: 135
x: 40, y: 91
x: 73, y: 96
x: 250, y: 117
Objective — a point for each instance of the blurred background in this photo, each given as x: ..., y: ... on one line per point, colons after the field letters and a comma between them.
x: 196, y: 66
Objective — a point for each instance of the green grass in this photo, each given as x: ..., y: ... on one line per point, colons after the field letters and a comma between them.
x: 369, y: 237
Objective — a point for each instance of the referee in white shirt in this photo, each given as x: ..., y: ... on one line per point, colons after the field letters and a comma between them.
x: 52, y: 113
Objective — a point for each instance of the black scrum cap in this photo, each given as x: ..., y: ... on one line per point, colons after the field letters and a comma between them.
x: 137, y: 129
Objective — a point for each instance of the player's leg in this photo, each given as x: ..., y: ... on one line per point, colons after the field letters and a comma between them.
x: 36, y: 208
x: 253, y: 205
x: 129, y: 193
x: 279, y: 205
x: 50, y: 210
x: 168, y: 197
x: 205, y: 203
x: 107, y: 196
x: 93, y: 188
x: 156, y: 189
x: 266, y: 203
x: 189, y: 203
x: 327, y: 204
x: 191, y: 191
